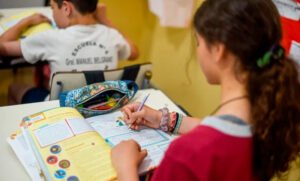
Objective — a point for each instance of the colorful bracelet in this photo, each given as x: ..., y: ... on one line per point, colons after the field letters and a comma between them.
x: 165, y: 119
x: 170, y: 121
x: 173, y: 121
x: 178, y: 123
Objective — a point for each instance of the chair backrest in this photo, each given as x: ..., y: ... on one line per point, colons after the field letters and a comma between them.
x: 65, y: 81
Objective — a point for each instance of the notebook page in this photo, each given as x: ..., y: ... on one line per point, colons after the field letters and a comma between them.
x: 113, y: 129
x: 25, y: 155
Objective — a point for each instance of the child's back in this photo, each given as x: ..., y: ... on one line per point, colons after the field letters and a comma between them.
x: 77, y: 48
x: 80, y: 44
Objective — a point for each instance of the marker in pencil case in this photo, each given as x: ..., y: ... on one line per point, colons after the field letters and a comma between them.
x: 93, y: 102
x: 102, y: 104
x: 102, y: 108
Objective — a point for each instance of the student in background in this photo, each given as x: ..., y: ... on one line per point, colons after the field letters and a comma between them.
x: 80, y: 44
x: 255, y: 132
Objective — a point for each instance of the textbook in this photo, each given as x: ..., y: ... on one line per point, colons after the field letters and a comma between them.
x: 59, y: 144
x: 9, y: 22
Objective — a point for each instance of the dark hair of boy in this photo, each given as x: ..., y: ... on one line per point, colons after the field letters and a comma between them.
x: 248, y: 29
x: 83, y: 6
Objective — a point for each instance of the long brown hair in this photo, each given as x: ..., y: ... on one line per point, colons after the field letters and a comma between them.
x: 248, y: 29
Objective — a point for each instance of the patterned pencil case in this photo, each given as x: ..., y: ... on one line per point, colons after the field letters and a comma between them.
x: 99, y: 98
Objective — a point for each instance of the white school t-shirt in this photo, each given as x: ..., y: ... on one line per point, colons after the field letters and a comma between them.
x: 77, y: 48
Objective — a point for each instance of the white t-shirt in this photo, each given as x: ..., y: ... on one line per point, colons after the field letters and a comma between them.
x: 77, y: 48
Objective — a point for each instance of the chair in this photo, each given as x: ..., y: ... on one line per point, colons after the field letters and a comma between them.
x: 65, y: 81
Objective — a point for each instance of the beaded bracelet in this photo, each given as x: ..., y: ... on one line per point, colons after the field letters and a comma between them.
x: 170, y: 122
x: 165, y: 119
x: 178, y: 123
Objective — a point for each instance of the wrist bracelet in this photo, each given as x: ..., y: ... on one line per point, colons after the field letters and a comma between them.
x: 173, y: 121
x: 165, y: 119
x: 178, y: 123
x: 170, y: 122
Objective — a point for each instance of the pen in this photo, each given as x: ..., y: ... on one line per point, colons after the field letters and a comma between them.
x: 140, y: 107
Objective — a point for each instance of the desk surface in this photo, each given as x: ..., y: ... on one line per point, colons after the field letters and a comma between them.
x: 10, y: 167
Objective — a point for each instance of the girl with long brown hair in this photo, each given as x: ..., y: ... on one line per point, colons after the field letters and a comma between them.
x: 255, y: 132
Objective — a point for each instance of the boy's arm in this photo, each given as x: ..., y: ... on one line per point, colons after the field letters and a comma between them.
x: 14, y: 32
x: 12, y: 48
x: 101, y: 17
x: 9, y: 46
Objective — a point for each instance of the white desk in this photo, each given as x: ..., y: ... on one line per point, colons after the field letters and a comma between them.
x: 10, y: 167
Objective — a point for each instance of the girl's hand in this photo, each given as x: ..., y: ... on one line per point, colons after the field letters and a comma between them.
x: 36, y: 19
x: 147, y: 116
x: 126, y: 157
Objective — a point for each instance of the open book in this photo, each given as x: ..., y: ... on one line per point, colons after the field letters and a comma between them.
x: 9, y: 22
x: 60, y: 144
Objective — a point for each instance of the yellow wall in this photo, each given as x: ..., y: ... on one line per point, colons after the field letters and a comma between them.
x: 170, y: 50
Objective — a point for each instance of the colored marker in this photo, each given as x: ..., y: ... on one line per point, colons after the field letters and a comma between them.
x: 103, y: 103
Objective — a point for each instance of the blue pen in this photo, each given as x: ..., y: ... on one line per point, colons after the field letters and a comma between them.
x: 141, y: 107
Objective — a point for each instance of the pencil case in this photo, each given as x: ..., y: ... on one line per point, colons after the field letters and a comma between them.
x: 99, y: 98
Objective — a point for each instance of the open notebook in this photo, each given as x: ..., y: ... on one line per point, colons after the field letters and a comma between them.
x: 13, y: 20
x: 60, y: 144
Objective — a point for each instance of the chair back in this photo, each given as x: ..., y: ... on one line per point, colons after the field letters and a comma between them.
x: 65, y: 81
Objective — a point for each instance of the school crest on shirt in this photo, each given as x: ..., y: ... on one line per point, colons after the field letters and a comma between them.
x: 89, y: 52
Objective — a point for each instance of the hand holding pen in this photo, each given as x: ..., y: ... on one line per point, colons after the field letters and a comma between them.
x: 140, y: 108
x: 137, y: 114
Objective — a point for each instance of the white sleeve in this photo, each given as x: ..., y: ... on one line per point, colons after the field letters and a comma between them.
x: 122, y: 45
x: 37, y: 47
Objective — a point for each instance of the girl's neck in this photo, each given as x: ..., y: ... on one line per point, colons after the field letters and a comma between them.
x: 232, y: 89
